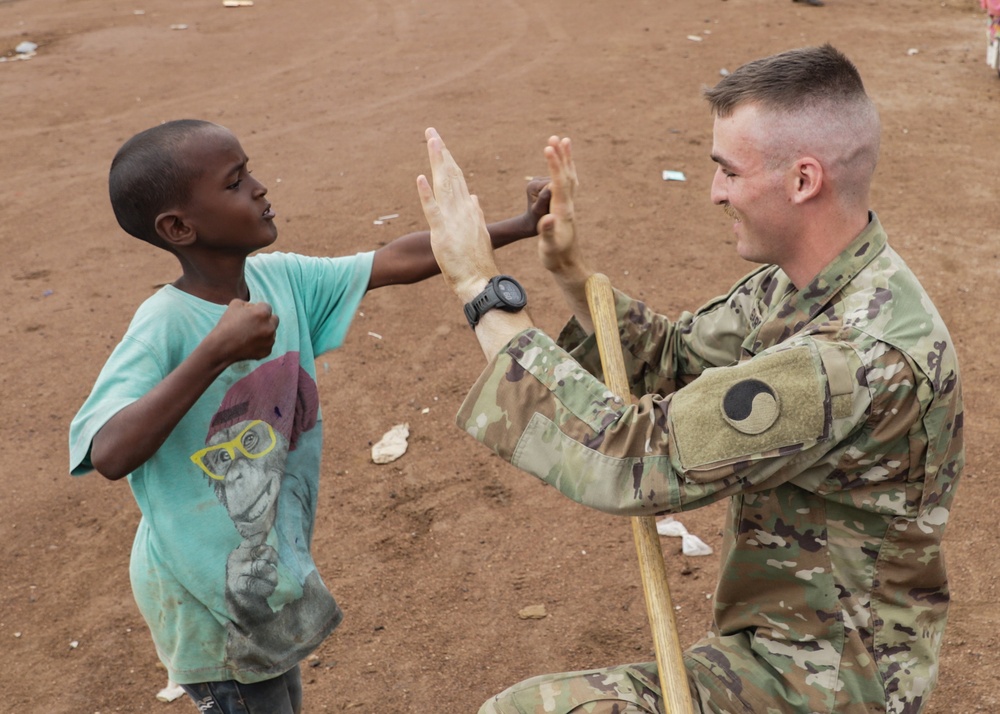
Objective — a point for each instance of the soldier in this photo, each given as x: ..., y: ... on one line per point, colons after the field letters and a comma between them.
x: 827, y: 384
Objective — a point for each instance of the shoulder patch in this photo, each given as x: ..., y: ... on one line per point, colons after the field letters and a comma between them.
x: 750, y: 406
x: 776, y: 401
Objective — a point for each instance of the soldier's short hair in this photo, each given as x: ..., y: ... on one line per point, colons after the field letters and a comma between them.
x: 790, y: 81
x: 815, y: 102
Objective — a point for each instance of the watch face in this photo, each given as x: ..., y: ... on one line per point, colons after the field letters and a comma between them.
x: 510, y: 292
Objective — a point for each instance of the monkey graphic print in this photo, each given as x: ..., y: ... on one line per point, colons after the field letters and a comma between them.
x: 271, y: 586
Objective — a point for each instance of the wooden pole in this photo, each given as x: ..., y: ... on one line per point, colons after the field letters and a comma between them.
x: 659, y: 608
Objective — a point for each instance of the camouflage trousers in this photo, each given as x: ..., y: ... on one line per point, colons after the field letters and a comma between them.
x: 721, y: 681
x: 626, y: 689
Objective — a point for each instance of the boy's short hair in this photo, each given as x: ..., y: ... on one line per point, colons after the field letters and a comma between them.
x: 147, y: 176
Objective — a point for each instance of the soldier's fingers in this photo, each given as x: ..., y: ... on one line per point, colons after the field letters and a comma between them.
x: 449, y: 181
x: 432, y: 212
x: 546, y: 228
x: 556, y: 170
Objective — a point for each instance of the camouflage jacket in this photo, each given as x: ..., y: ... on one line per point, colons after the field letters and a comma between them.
x: 831, y: 418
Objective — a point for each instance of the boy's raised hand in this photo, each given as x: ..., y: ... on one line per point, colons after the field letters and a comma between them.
x: 539, y: 194
x: 459, y: 238
x: 245, y: 331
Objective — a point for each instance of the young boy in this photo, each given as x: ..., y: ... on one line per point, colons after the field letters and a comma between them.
x: 209, y: 406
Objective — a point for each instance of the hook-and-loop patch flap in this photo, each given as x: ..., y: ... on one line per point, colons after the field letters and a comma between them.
x: 770, y: 402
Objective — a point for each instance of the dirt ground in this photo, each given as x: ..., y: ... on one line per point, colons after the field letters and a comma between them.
x: 434, y: 555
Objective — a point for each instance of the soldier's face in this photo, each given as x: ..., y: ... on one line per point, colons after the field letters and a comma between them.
x: 752, y: 192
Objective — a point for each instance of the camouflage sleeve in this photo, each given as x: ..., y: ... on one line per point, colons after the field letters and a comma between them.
x: 662, y: 355
x: 766, y: 420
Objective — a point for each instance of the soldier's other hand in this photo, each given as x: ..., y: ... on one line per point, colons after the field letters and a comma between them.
x: 557, y: 247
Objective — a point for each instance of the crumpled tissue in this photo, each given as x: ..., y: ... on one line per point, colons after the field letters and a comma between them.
x: 690, y: 543
x: 170, y: 692
x: 391, y: 446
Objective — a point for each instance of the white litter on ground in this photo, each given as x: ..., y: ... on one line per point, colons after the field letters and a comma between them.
x: 690, y: 543
x: 391, y: 446
x: 170, y: 692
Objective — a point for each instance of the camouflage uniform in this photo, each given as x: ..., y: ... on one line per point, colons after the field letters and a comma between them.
x: 831, y: 418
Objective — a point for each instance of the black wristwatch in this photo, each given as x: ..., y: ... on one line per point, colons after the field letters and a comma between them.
x: 502, y: 292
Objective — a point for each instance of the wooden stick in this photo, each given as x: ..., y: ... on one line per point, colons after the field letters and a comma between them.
x: 659, y: 608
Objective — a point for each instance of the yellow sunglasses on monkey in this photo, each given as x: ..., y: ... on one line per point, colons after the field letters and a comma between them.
x: 256, y: 440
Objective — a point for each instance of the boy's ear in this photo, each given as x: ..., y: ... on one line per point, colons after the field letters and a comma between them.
x: 173, y: 230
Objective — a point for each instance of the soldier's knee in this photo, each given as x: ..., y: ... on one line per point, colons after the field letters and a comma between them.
x: 498, y: 705
x: 609, y: 706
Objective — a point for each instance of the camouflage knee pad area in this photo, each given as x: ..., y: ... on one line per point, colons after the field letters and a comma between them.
x: 633, y: 689
x: 721, y: 682
x: 716, y: 688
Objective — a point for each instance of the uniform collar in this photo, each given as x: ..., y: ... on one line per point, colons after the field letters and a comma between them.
x: 843, y: 269
x: 790, y: 310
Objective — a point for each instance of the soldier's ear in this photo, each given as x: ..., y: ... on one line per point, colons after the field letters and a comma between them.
x: 805, y: 179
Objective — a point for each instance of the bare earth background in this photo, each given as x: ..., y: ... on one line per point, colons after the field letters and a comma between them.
x: 433, y: 556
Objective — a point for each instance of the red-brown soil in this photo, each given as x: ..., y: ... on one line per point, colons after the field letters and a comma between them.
x: 433, y: 556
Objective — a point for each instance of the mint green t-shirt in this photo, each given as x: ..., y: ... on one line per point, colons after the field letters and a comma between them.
x: 221, y: 567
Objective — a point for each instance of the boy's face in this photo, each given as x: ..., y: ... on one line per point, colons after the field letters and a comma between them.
x: 227, y: 206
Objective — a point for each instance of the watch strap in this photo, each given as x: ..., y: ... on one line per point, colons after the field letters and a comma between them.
x: 490, y: 297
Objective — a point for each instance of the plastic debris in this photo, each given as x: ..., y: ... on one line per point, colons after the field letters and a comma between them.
x: 695, y: 38
x: 912, y: 51
x: 385, y: 219
x: 237, y: 3
x: 170, y: 692
x: 179, y: 26
x: 690, y: 543
x: 24, y: 51
x: 674, y: 176
x: 392, y: 445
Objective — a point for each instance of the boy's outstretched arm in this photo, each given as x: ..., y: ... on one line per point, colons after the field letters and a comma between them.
x: 134, y: 434
x: 409, y: 259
